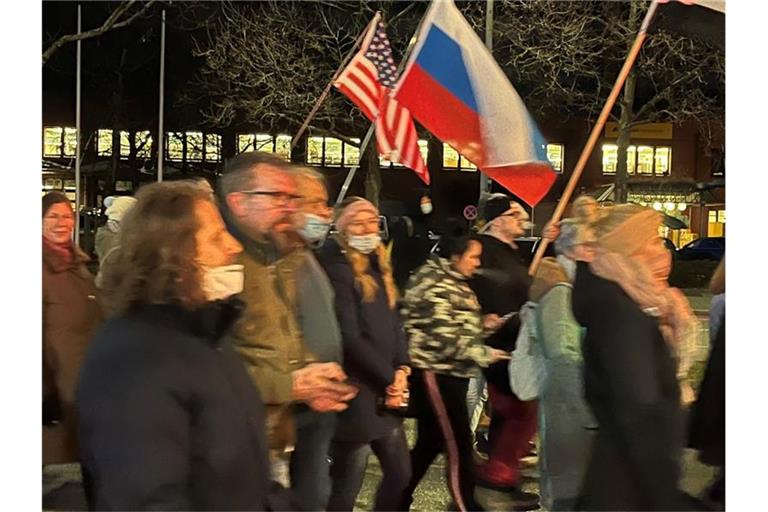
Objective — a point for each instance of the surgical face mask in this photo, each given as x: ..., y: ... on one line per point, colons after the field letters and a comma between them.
x: 426, y: 207
x: 222, y: 282
x: 315, y: 228
x: 365, y: 244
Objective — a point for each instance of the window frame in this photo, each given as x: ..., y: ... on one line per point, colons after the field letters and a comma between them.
x: 632, y: 167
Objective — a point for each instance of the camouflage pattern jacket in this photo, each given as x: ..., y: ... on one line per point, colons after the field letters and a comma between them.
x: 443, y: 321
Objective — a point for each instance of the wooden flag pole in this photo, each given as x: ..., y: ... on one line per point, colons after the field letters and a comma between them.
x: 327, y: 89
x: 592, y: 141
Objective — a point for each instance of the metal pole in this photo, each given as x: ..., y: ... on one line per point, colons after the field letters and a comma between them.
x: 485, y: 180
x: 596, y: 130
x: 77, y: 129
x: 353, y: 170
x: 160, y: 132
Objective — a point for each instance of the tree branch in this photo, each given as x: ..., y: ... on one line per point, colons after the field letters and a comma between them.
x: 111, y: 23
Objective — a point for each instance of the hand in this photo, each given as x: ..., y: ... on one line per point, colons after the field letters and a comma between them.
x: 492, y: 322
x: 551, y: 231
x: 393, y: 401
x: 401, y: 379
x: 499, y: 355
x: 322, y: 387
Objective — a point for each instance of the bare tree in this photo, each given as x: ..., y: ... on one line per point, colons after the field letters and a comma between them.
x: 124, y: 14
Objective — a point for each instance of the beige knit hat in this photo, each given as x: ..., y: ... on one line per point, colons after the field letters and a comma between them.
x: 627, y: 228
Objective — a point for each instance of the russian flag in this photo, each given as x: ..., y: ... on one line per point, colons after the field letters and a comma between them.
x: 453, y: 86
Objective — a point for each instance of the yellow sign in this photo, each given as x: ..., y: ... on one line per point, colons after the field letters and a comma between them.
x: 641, y: 131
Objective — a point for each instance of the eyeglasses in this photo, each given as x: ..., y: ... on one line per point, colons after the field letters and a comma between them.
x: 278, y: 197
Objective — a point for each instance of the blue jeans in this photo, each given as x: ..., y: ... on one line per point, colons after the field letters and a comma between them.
x: 349, y: 461
x: 477, y: 395
x: 310, y: 466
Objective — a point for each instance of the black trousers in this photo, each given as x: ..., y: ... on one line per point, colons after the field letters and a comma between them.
x: 439, y: 403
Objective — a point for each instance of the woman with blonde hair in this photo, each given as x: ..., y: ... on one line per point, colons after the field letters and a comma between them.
x: 634, y: 322
x: 375, y: 356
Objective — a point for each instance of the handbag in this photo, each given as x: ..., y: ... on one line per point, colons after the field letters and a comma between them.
x: 527, y: 371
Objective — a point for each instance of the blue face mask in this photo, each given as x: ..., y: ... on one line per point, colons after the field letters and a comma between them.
x: 314, y: 229
x: 365, y: 244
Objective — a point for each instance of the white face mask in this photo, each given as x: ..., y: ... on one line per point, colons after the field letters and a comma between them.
x: 315, y: 228
x: 222, y: 282
x: 365, y: 244
x: 426, y: 207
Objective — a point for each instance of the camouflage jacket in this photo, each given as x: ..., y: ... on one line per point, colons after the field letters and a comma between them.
x: 443, y: 321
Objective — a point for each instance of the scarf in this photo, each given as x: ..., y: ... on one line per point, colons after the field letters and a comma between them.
x: 65, y: 252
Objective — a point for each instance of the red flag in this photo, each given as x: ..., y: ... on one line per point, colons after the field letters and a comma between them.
x: 368, y: 81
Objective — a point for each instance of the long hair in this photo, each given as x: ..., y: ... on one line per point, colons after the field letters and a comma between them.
x: 155, y: 259
x: 360, y: 264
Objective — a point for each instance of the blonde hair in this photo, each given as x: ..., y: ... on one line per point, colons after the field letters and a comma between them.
x: 360, y: 264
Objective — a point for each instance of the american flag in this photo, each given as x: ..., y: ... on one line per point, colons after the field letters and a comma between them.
x: 368, y: 82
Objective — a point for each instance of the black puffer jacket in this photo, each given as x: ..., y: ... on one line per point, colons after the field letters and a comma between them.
x: 168, y: 417
x: 501, y: 285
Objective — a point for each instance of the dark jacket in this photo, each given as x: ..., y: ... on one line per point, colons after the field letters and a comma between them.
x: 707, y: 420
x: 501, y: 285
x: 374, y: 346
x: 169, y: 419
x: 71, y: 314
x: 631, y: 387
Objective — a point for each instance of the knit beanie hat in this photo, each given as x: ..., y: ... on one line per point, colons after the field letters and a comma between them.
x: 627, y: 228
x: 499, y: 204
x: 346, y: 213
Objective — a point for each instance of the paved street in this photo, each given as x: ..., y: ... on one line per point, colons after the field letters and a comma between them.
x: 62, y: 489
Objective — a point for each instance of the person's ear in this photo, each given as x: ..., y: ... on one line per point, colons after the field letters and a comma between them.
x: 236, y: 203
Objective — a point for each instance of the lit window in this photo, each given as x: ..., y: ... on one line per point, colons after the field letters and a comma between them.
x: 610, y: 158
x: 315, y: 150
x: 631, y: 159
x: 351, y: 154
x: 70, y: 141
x: 423, y: 149
x: 663, y: 161
x: 450, y: 157
x: 104, y: 142
x: 175, y: 146
x: 245, y: 142
x: 453, y: 160
x: 194, y: 146
x: 143, y: 144
x: 125, y: 144
x: 283, y: 146
x: 555, y: 154
x: 52, y: 141
x: 263, y: 142
x: 332, y: 154
x: 212, y: 147
x: 644, y: 159
x: 721, y: 216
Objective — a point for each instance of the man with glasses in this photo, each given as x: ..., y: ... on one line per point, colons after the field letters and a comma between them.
x: 259, y: 199
x: 501, y: 285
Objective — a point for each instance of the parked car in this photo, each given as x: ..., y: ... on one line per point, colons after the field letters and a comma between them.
x: 707, y: 248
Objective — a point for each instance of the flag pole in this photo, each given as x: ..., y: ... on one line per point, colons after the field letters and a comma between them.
x: 78, y: 128
x: 327, y: 89
x: 485, y: 180
x: 596, y: 130
x: 369, y: 134
x: 160, y: 133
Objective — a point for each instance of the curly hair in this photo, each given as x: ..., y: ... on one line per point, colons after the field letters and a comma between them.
x: 155, y: 259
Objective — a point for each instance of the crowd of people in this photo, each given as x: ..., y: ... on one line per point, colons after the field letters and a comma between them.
x: 248, y: 347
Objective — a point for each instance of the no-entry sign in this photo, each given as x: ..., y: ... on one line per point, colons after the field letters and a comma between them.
x: 470, y: 212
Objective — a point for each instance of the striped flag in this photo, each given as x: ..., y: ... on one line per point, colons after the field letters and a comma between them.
x: 368, y: 82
